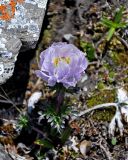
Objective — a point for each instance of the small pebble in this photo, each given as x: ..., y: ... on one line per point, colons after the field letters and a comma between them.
x: 85, y: 147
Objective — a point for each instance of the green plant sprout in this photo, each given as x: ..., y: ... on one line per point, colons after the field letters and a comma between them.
x: 23, y: 121
x: 114, y: 141
x: 115, y: 24
x: 56, y: 120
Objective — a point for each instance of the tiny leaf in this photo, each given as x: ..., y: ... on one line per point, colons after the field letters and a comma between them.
x: 119, y: 15
x: 114, y: 141
x: 108, y: 22
x: 110, y: 33
x: 44, y: 143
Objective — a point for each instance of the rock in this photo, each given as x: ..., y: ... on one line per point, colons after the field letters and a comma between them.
x: 4, y: 155
x: 20, y: 26
x: 85, y: 147
x: 68, y: 36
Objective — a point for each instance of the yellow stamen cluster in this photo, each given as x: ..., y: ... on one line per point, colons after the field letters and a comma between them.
x: 58, y: 59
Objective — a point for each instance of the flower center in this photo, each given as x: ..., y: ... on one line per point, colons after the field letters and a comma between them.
x: 58, y: 59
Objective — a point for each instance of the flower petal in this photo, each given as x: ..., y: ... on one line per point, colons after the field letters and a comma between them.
x: 43, y: 75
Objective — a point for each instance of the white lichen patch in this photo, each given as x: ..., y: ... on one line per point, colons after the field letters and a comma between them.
x: 40, y: 3
x: 121, y: 112
x: 4, y: 2
x: 1, y: 68
x: 116, y: 119
x: 122, y: 95
x: 19, y: 20
x: 6, y: 54
x: 2, y: 43
x: 22, y: 21
x: 0, y: 30
x: 2, y: 24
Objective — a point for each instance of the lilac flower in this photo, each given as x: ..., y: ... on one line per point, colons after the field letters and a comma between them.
x: 62, y: 63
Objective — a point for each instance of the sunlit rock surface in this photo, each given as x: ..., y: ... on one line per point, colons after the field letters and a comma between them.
x: 20, y: 26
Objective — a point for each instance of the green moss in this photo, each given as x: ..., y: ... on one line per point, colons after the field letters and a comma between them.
x: 116, y: 45
x: 126, y: 80
x: 97, y: 36
x: 74, y: 155
x: 47, y: 37
x: 104, y: 115
x: 120, y: 59
x: 112, y: 74
x: 126, y: 87
x: 89, y: 49
x: 71, y: 154
x: 101, y: 85
x: 104, y: 96
x: 107, y: 66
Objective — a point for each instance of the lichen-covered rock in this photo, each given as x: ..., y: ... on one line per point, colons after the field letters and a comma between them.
x: 20, y: 26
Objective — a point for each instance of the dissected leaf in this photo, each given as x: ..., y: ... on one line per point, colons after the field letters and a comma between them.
x: 23, y: 121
